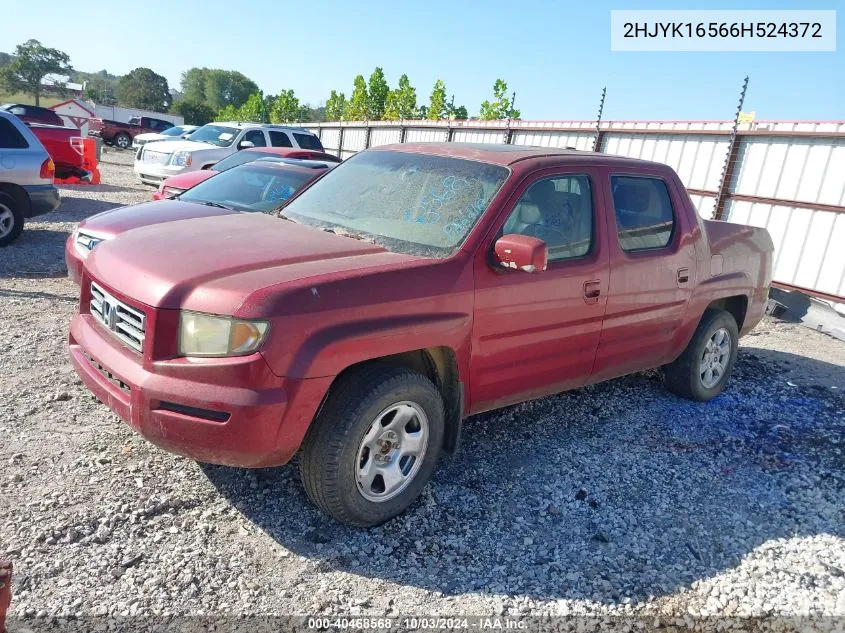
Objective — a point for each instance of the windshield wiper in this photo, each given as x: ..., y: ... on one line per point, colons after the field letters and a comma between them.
x: 209, y: 203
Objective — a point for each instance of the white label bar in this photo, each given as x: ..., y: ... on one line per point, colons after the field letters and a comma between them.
x: 706, y: 30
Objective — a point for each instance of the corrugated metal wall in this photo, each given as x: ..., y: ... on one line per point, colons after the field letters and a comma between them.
x: 787, y: 176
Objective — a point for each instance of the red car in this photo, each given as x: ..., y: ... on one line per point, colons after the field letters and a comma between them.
x: 175, y: 185
x: 121, y: 134
x: 412, y: 286
x: 259, y: 186
x: 33, y: 114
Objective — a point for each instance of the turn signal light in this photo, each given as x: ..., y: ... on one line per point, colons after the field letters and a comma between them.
x: 48, y: 169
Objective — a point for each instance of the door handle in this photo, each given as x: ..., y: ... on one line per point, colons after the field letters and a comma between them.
x: 683, y: 275
x: 592, y: 290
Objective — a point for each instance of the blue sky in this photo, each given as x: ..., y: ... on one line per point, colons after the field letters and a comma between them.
x: 554, y: 54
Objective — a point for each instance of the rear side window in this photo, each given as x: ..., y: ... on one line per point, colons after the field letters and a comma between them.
x: 279, y: 139
x: 10, y: 138
x: 644, y: 217
x: 308, y: 141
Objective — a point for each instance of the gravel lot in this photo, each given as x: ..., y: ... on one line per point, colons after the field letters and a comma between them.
x: 617, y: 499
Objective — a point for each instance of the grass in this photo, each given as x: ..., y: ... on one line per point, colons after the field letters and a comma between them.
x: 20, y: 97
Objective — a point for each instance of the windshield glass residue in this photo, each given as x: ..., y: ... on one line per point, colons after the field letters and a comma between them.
x: 409, y: 203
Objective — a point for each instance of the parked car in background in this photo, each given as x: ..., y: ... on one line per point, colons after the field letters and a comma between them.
x: 33, y: 114
x: 171, y: 134
x: 177, y: 184
x: 263, y: 186
x: 26, y: 178
x: 64, y: 146
x: 121, y: 134
x: 411, y: 286
x: 212, y: 143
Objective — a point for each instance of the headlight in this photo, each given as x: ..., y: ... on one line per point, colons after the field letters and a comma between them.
x: 208, y: 335
x: 181, y: 158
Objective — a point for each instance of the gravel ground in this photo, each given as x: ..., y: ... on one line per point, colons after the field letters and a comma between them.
x: 614, y: 500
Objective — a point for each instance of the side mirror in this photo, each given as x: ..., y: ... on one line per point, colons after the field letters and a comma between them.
x: 521, y: 252
x: 245, y: 144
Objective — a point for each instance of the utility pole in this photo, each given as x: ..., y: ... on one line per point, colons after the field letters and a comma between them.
x: 597, y: 138
x: 730, y: 159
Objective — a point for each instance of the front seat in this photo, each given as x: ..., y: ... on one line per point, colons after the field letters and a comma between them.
x: 525, y: 220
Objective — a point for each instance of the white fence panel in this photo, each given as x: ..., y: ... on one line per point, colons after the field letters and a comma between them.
x: 330, y: 138
x: 384, y: 136
x: 806, y: 247
x: 354, y: 138
x: 804, y: 169
x: 425, y: 135
x: 578, y: 140
x: 478, y: 136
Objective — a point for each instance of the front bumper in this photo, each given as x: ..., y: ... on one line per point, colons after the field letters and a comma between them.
x: 259, y: 420
x: 153, y: 174
x: 73, y: 260
x: 42, y: 199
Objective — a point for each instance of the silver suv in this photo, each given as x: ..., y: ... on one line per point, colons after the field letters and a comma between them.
x: 26, y: 178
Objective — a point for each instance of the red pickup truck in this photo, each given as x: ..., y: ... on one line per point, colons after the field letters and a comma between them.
x: 412, y: 286
x: 121, y: 134
x: 65, y: 148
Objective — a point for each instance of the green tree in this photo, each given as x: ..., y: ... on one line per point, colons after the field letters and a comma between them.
x: 422, y: 112
x: 378, y: 95
x: 101, y: 90
x: 217, y: 87
x: 142, y: 88
x: 253, y: 109
x: 229, y: 113
x: 437, y: 102
x: 461, y: 113
x: 501, y: 107
x: 31, y: 62
x: 402, y: 101
x: 335, y: 106
x: 286, y: 108
x: 357, y: 108
x: 193, y: 112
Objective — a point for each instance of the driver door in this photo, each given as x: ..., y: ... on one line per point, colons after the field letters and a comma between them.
x: 537, y: 333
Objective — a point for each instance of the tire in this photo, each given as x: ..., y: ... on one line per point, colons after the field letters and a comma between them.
x: 336, y: 454
x: 687, y: 376
x: 123, y: 141
x: 11, y: 219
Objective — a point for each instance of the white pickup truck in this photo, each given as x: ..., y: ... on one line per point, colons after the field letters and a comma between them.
x: 157, y: 161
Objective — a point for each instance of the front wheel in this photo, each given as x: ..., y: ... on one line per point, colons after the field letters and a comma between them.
x: 374, y: 445
x: 703, y: 369
x: 11, y: 219
x: 122, y: 141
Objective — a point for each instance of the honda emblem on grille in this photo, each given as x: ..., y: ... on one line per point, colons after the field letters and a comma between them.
x: 110, y: 315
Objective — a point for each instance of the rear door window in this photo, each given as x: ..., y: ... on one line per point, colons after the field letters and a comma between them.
x: 279, y: 139
x: 644, y: 216
x: 10, y: 138
x: 308, y: 141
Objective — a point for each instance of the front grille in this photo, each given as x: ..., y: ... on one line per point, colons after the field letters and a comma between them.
x: 108, y: 375
x: 87, y: 242
x: 127, y: 324
x: 154, y: 158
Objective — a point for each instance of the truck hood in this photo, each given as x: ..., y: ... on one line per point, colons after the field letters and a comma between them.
x: 150, y: 136
x: 214, y: 264
x: 115, y: 221
x: 169, y: 147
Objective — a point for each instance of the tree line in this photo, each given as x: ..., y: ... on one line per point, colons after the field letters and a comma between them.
x: 213, y: 94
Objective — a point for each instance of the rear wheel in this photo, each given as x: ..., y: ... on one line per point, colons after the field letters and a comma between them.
x: 703, y: 369
x: 374, y: 445
x: 122, y: 141
x: 11, y: 219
